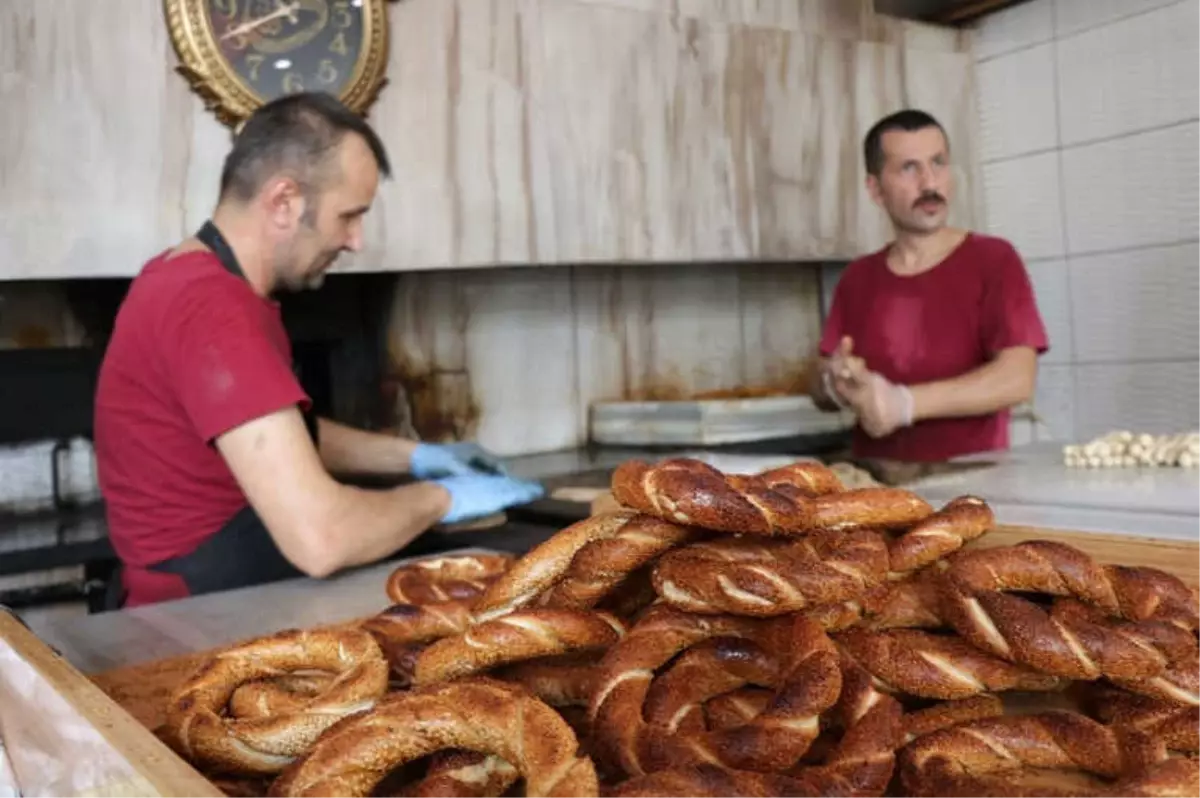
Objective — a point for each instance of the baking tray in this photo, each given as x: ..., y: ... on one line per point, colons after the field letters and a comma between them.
x: 710, y: 421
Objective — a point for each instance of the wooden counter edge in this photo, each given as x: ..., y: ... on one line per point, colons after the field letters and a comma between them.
x: 154, y: 761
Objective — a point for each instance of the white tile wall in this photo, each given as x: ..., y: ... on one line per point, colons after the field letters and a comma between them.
x: 1133, y: 191
x: 1052, y: 287
x: 1121, y: 78
x: 1021, y: 198
x: 1146, y: 397
x: 1016, y: 103
x: 1072, y: 16
x: 1054, y: 403
x: 1015, y: 27
x: 1107, y: 218
x: 1136, y: 305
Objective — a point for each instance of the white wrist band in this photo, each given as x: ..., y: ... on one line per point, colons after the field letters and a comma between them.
x: 907, y: 417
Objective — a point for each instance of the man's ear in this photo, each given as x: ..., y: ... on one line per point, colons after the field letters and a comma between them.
x: 874, y: 190
x: 283, y: 202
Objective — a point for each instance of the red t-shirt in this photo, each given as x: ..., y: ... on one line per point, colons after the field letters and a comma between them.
x: 194, y: 353
x: 932, y: 326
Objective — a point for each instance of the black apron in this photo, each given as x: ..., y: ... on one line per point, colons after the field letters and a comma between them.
x: 242, y: 552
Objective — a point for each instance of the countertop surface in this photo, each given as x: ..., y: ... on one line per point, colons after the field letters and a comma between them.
x: 1028, y: 485
x: 1031, y: 486
x: 97, y: 643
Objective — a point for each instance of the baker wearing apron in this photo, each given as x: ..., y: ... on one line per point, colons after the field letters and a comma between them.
x: 242, y: 552
x: 195, y: 397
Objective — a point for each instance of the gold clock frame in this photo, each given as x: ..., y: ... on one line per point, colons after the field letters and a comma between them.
x: 231, y: 100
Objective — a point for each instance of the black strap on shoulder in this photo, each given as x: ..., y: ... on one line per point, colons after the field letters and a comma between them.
x: 211, y: 237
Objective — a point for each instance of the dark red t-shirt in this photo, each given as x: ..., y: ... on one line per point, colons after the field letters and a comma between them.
x: 194, y: 353
x: 932, y: 326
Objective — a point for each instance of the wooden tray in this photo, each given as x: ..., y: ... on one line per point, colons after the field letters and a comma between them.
x: 127, y: 703
x: 64, y: 736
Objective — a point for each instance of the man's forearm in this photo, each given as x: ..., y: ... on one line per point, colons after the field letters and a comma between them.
x: 1006, y: 381
x: 345, y: 450
x: 365, y: 526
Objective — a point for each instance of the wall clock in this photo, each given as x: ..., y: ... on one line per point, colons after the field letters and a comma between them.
x: 239, y: 54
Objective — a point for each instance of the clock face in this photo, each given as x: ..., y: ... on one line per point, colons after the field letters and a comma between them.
x: 279, y: 47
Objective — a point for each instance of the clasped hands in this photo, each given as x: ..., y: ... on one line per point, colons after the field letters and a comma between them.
x: 475, y: 479
x: 882, y: 406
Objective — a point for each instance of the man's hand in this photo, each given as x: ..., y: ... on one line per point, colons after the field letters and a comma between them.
x: 429, y: 460
x: 477, y: 495
x: 844, y: 374
x: 882, y: 406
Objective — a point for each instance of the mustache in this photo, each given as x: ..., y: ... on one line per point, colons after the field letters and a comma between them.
x: 930, y: 196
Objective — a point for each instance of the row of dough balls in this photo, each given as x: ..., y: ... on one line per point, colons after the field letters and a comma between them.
x: 1131, y: 450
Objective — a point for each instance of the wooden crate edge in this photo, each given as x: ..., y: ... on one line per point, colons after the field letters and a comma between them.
x: 153, y: 760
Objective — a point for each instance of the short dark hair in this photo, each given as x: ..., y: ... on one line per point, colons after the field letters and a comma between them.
x: 297, y: 133
x: 908, y: 120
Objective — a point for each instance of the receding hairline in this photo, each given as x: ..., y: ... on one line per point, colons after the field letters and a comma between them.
x: 299, y: 136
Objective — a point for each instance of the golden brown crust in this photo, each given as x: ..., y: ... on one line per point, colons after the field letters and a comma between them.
x: 464, y: 774
x: 921, y: 664
x: 604, y: 564
x: 516, y: 637
x: 637, y: 538
x: 946, y: 714
x: 962, y: 520
x: 436, y: 579
x: 1057, y: 569
x: 1177, y: 726
x: 909, y: 603
x: 775, y: 739
x: 764, y: 578
x: 197, y: 726
x: 992, y: 757
x: 274, y: 696
x: 868, y: 508
x: 1070, y: 645
x: 736, y: 707
x: 860, y: 764
x: 559, y: 681
x: 485, y: 716
x: 403, y: 631
x: 693, y: 493
x: 675, y: 700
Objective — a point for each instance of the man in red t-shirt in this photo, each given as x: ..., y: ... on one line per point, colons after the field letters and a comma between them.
x: 214, y: 472
x: 932, y: 339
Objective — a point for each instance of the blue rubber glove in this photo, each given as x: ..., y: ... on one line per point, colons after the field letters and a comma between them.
x: 452, y: 459
x: 477, y: 495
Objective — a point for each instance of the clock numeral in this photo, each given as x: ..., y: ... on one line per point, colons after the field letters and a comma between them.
x: 341, y: 14
x: 338, y: 44
x: 326, y: 72
x: 292, y: 82
x: 255, y: 60
x: 228, y: 8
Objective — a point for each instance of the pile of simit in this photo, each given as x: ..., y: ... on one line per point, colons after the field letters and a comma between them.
x: 774, y: 634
